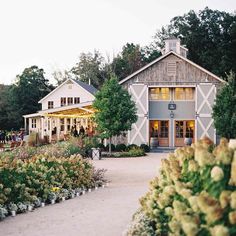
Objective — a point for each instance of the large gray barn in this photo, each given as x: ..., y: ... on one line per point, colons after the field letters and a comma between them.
x: 174, y: 99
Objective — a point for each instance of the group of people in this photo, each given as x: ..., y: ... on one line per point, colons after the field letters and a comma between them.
x: 82, y: 132
x: 13, y: 136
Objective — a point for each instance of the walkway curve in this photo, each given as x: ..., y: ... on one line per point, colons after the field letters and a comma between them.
x: 103, y: 212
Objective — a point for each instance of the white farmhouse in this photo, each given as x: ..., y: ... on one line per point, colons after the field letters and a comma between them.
x: 70, y: 104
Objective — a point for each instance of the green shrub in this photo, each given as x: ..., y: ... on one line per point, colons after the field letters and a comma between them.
x: 113, y: 147
x: 131, y: 146
x: 101, y: 146
x: 145, y: 147
x: 194, y: 194
x: 121, y: 147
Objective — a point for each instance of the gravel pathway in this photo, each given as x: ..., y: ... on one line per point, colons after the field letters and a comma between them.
x: 104, y: 212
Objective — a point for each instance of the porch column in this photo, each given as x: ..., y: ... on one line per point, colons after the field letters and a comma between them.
x: 58, y: 128
x: 50, y: 130
x: 25, y: 125
x: 65, y: 125
x: 42, y: 127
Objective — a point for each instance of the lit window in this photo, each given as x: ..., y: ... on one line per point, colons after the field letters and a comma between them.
x: 184, y: 93
x: 179, y: 94
x: 189, y: 93
x: 159, y: 94
x: 63, y: 102
x: 50, y: 104
x: 69, y: 101
x: 76, y: 100
x: 33, y: 123
x: 164, y: 129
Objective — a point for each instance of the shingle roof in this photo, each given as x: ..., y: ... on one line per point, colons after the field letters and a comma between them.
x: 87, y: 87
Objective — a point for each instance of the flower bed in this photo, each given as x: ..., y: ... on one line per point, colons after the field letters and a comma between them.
x: 194, y: 194
x: 42, y: 178
x: 133, y: 152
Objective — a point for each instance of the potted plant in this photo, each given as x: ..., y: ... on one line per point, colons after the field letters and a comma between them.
x: 52, y: 197
x: 71, y: 193
x: 3, y: 212
x: 12, y: 208
x: 22, y: 207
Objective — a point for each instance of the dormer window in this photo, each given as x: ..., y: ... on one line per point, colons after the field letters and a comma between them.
x: 69, y: 101
x: 63, y: 102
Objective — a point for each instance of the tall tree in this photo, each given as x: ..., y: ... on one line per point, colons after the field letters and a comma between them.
x: 128, y: 61
x: 25, y: 93
x: 224, y: 110
x: 116, y: 112
x: 4, y: 107
x: 60, y: 76
x: 209, y: 35
x: 89, y: 68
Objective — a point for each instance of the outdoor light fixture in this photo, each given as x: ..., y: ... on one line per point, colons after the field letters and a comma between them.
x: 172, y: 115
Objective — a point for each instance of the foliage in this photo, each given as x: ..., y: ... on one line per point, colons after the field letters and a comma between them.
x: 115, y: 111
x: 224, y: 109
x: 209, y: 36
x: 43, y: 178
x: 90, y: 68
x: 131, y: 146
x: 128, y: 61
x: 133, y: 152
x: 194, y: 193
x: 145, y: 147
x: 4, y: 107
x: 140, y: 225
x: 25, y: 93
x: 121, y: 147
x: 113, y: 147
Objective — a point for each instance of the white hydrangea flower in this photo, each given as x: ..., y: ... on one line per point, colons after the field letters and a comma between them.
x: 233, y: 200
x: 217, y: 173
x: 219, y: 230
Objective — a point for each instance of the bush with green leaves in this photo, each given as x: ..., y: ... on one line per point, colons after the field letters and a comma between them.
x: 145, y: 147
x: 194, y: 193
x: 131, y: 146
x: 121, y: 147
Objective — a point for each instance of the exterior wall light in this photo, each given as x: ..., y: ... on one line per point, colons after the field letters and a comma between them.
x: 172, y: 115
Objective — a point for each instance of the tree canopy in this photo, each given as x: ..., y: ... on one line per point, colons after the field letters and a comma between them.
x: 24, y: 94
x: 224, y: 110
x: 209, y: 35
x: 116, y: 112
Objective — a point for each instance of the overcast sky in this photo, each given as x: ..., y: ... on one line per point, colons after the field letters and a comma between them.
x: 52, y: 33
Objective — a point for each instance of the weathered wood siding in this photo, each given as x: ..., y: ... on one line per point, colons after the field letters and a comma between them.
x: 157, y: 74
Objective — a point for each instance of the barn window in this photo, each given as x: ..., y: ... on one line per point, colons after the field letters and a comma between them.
x: 159, y: 94
x: 184, y: 93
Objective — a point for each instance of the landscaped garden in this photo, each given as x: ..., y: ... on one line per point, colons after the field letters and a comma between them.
x: 194, y: 194
x: 31, y: 177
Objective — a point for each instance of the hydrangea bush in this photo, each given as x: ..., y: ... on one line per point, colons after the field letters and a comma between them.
x: 194, y: 194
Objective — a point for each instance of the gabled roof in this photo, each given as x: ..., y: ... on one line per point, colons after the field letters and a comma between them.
x: 87, y: 87
x: 166, y: 55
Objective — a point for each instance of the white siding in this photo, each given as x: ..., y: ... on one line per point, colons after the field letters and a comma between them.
x: 67, y: 90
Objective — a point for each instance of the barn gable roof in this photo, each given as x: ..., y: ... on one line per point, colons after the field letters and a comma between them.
x: 164, y: 56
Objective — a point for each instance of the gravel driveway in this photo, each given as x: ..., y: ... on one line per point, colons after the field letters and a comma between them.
x: 104, y: 212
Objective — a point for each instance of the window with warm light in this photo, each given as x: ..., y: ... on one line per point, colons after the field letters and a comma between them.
x: 160, y: 94
x: 183, y: 93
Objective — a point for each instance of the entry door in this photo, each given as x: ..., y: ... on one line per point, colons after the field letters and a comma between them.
x: 160, y: 129
x: 183, y: 129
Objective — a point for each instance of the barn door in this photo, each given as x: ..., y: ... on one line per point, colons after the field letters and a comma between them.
x: 139, y: 131
x: 205, y: 97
